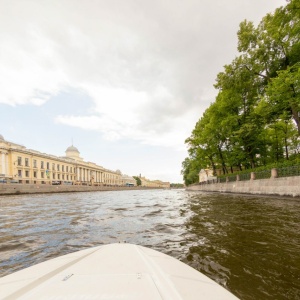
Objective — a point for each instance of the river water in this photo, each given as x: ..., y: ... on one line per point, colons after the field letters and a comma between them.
x: 250, y: 245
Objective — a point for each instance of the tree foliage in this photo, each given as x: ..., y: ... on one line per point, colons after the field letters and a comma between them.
x: 138, y: 180
x: 254, y: 119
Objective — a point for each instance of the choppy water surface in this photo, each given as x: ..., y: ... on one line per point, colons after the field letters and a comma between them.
x: 250, y: 245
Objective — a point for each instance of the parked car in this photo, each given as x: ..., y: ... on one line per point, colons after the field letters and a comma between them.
x: 56, y: 182
x: 67, y: 182
x: 14, y: 181
x: 3, y: 180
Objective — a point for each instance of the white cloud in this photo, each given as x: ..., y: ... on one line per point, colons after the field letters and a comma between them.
x: 125, y: 114
x: 148, y: 66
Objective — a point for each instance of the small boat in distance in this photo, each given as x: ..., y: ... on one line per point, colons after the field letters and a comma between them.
x: 114, y: 271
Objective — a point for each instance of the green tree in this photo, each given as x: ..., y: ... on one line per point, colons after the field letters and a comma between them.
x: 251, y: 121
x: 138, y: 180
x: 190, y: 171
x: 274, y: 44
x: 283, y: 95
x: 238, y: 95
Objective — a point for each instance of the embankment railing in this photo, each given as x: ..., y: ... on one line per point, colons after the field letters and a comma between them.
x: 265, y: 174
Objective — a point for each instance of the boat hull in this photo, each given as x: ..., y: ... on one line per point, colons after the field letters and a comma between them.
x: 114, y: 271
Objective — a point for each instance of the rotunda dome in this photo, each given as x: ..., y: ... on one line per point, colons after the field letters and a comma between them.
x: 72, y: 152
x: 72, y: 148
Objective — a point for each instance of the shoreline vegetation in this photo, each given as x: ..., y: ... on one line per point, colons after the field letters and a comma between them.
x: 254, y: 122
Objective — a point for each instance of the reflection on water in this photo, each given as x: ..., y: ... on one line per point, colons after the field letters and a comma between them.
x: 250, y: 245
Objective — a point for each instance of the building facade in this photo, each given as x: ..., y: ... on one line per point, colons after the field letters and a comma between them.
x: 154, y: 183
x: 22, y: 165
x: 128, y: 180
x: 206, y: 175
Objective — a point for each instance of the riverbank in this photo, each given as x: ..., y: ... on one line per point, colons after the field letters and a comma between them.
x: 285, y: 186
x: 15, y: 189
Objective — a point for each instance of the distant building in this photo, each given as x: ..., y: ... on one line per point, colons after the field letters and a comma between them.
x: 206, y: 175
x: 127, y: 180
x: 155, y: 183
x: 24, y: 165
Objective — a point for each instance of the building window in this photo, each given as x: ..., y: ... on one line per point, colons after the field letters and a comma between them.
x: 63, y: 177
x: 26, y: 162
x: 34, y: 174
x: 42, y: 174
x: 63, y: 168
x: 42, y: 165
x: 19, y: 161
x: 26, y: 173
x: 53, y: 176
x: 19, y: 173
x: 27, y: 181
x: 67, y: 168
x: 58, y: 176
x: 48, y: 166
x: 53, y: 167
x: 70, y: 169
x: 34, y: 163
x: 67, y: 177
x: 57, y: 167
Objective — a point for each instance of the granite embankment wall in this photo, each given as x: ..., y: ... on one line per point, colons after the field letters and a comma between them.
x: 15, y: 189
x: 286, y: 186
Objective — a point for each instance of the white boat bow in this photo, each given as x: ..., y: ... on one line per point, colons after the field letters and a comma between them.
x: 114, y: 271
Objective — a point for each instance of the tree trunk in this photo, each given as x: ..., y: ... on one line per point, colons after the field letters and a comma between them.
x: 225, y: 171
x: 296, y: 119
x: 295, y: 110
x: 213, y: 166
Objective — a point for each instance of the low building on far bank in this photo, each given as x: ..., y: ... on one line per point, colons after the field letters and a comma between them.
x: 127, y: 180
x: 154, y: 183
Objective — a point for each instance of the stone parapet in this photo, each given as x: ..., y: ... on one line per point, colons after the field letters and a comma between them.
x: 284, y: 186
x: 15, y: 189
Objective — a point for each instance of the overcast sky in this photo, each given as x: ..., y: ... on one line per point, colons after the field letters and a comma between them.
x: 125, y: 80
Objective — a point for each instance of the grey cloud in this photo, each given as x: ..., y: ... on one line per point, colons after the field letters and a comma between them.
x: 136, y: 45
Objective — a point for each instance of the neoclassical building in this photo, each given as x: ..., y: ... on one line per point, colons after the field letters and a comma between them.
x: 22, y: 165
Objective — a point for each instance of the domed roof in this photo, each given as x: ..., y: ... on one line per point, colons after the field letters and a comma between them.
x: 1, y: 137
x: 72, y: 148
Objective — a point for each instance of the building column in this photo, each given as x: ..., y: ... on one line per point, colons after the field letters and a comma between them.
x: 7, y: 165
x: 4, y: 163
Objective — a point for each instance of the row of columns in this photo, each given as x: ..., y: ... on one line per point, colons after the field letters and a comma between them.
x: 87, y: 175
